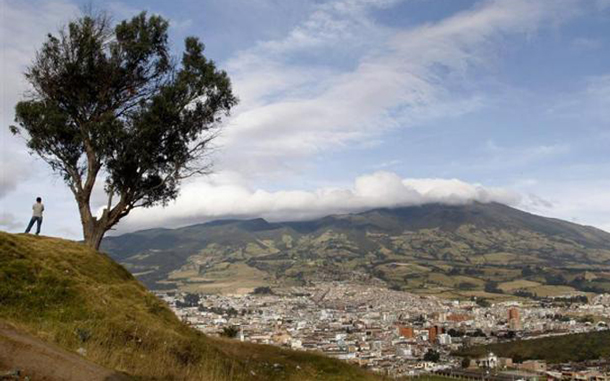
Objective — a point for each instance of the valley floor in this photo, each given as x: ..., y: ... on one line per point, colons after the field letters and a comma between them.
x: 390, y: 332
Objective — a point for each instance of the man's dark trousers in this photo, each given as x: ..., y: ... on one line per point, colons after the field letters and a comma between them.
x: 38, y: 221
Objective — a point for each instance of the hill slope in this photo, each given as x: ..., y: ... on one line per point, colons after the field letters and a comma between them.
x: 73, y: 297
x: 432, y: 248
x: 558, y: 349
x: 39, y: 360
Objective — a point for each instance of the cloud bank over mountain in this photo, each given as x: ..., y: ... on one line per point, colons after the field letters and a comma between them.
x: 223, y: 197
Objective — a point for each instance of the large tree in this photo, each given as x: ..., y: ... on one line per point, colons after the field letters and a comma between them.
x: 109, y: 104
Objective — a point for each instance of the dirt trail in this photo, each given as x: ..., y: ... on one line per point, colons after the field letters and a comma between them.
x: 45, y: 362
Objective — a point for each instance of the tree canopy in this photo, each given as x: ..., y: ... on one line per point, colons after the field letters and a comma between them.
x: 110, y: 104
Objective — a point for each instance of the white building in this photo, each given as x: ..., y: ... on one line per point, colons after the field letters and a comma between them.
x: 444, y: 339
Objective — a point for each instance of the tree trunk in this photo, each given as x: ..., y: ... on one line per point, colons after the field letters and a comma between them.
x: 94, y: 232
x: 93, y: 229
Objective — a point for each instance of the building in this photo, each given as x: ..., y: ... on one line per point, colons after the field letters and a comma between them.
x: 406, y: 332
x: 514, y: 320
x: 432, y: 334
x: 490, y: 361
x: 444, y: 339
x: 458, y: 318
x: 534, y: 366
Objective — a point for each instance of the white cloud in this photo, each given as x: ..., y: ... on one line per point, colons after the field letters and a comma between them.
x: 9, y: 222
x: 577, y: 200
x: 605, y: 227
x: 387, y: 164
x: 221, y: 196
x: 590, y: 102
x: 23, y: 28
x: 584, y: 43
x: 12, y: 171
x: 500, y: 157
x: 396, y: 78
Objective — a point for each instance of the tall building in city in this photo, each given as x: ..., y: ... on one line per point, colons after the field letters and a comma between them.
x: 432, y: 334
x: 514, y: 320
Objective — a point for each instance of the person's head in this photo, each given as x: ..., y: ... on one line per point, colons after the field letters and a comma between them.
x: 38, y: 199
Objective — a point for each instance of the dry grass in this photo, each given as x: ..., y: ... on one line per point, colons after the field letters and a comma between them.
x: 222, y: 278
x: 547, y: 290
x: 75, y: 297
x: 517, y: 284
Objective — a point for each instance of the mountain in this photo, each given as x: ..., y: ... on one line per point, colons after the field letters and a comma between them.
x: 68, y: 312
x: 477, y: 249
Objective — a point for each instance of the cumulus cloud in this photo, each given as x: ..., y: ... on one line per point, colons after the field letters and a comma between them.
x: 220, y: 196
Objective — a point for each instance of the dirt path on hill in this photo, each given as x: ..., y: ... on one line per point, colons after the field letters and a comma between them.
x: 42, y: 361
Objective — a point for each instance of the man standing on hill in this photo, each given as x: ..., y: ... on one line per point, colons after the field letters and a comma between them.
x: 37, y: 209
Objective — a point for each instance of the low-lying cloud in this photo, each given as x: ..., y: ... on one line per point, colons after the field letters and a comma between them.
x: 220, y: 197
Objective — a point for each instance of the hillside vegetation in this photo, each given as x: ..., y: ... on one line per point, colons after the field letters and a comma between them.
x: 71, y: 296
x: 484, y: 250
x: 556, y: 349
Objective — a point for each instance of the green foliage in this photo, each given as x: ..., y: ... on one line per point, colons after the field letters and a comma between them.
x: 483, y: 302
x: 111, y: 101
x: 558, y: 349
x: 527, y: 271
x: 190, y: 300
x: 492, y: 287
x: 466, y: 286
x: 466, y: 362
x: 525, y: 294
x: 555, y: 279
x: 477, y: 333
x: 230, y: 331
x: 455, y: 333
x: 432, y: 355
x: 263, y: 290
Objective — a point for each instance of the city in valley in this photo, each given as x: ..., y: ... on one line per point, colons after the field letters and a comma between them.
x: 397, y: 333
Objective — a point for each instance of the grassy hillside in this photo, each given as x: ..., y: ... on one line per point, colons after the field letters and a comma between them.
x: 558, y: 349
x: 69, y: 295
x: 484, y: 250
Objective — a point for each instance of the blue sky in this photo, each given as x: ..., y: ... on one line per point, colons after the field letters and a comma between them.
x: 353, y: 104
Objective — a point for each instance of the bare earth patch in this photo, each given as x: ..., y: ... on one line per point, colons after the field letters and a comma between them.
x: 39, y: 360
